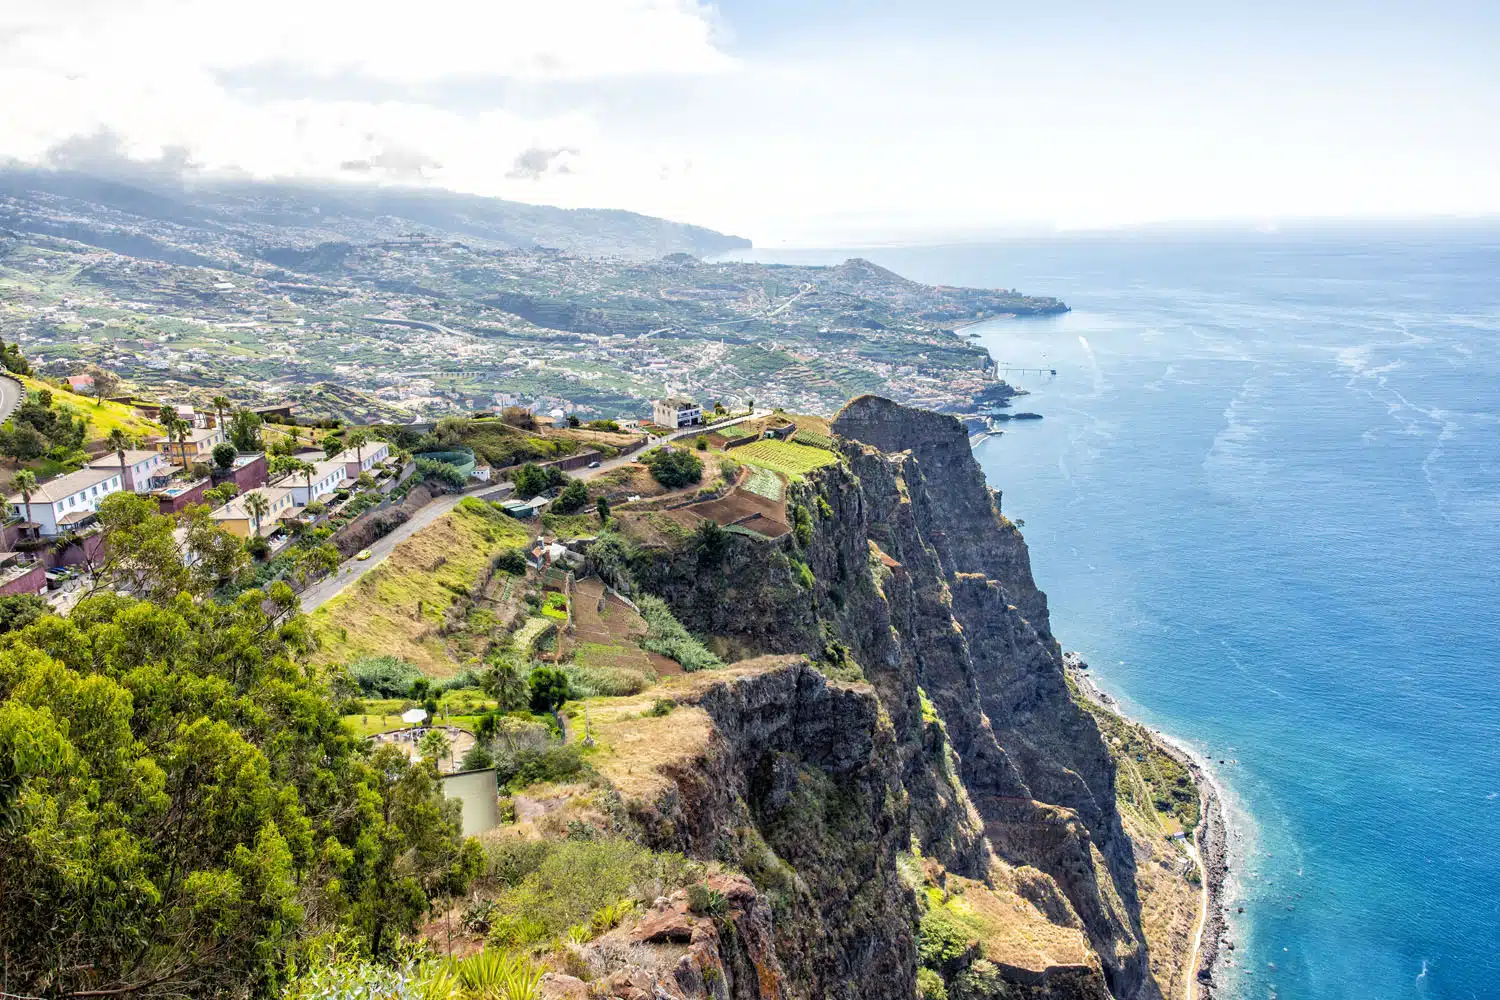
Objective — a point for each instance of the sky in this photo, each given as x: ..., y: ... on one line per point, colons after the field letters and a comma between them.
x: 791, y: 123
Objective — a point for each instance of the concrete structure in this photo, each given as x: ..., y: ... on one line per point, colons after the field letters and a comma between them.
x: 366, y: 459
x: 235, y: 518
x: 676, y: 412
x: 476, y: 791
x: 81, y: 383
x: 144, y: 470
x: 248, y: 472
x: 175, y: 496
x: 327, y: 477
x: 23, y: 578
x: 200, y: 445
x: 68, y: 502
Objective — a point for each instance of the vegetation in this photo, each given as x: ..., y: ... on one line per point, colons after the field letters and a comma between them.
x: 573, y: 498
x: 673, y: 467
x: 667, y: 636
x: 532, y: 480
x: 791, y: 460
x: 182, y: 803
x: 549, y: 689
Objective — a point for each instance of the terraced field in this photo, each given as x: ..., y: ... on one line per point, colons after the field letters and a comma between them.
x: 785, y: 457
x: 763, y: 482
x: 813, y: 439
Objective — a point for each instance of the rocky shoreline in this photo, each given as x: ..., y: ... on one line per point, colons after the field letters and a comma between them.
x: 1211, y: 837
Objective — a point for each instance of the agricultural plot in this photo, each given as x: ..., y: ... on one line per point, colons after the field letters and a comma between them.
x: 763, y: 482
x: 785, y: 457
x: 813, y: 439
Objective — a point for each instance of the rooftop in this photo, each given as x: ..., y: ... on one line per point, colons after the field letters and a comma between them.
x: 111, y: 460
x: 678, y: 403
x: 65, y: 486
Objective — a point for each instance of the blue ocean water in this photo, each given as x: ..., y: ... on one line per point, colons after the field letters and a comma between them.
x: 1264, y: 501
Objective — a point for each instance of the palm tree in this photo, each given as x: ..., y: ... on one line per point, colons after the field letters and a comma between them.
x: 257, y: 506
x: 357, y: 439
x: 25, y: 483
x: 119, y: 442
x: 220, y: 405
x: 307, y: 469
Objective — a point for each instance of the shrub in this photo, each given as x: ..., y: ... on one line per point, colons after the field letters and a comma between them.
x: 606, y: 681
x: 706, y: 902
x: 549, y: 689
x: 666, y: 635
x: 384, y: 676
x: 532, y: 480
x: 580, y: 877
x: 526, y: 767
x: 930, y: 985
x: 662, y: 706
x: 225, y: 454
x: 444, y: 473
x: 512, y: 561
x: 573, y: 498
x: 700, y: 442
x: 257, y: 547
x: 674, y: 468
x: 477, y: 757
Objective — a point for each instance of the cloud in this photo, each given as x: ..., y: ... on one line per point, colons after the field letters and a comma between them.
x: 532, y: 164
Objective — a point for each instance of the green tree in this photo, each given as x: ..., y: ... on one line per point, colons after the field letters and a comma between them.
x: 505, y: 682
x: 573, y: 498
x: 602, y: 506
x: 674, y: 468
x: 244, y: 430
x: 332, y: 447
x: 549, y: 689
x: 221, y: 405
x: 531, y: 480
x: 217, y: 556
x: 25, y: 484
x: 257, y: 506
x: 225, y: 454
x: 357, y: 439
x: 139, y: 553
x: 434, y: 746
x: 119, y: 442
x: 105, y: 383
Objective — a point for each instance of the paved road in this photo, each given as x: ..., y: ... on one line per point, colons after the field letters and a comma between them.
x: 352, y: 569
x: 11, y: 395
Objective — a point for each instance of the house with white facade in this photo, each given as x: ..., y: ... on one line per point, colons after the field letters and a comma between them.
x: 68, y: 502
x: 144, y: 470
x: 367, y: 458
x: 327, y: 476
x: 676, y: 412
x: 200, y: 445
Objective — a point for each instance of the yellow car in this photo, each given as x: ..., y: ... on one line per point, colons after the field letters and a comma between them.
x: 363, y: 555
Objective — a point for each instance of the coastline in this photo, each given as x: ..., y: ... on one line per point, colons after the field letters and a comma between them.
x: 1211, y: 838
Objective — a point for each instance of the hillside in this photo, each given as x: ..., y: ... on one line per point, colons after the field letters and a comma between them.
x: 172, y: 220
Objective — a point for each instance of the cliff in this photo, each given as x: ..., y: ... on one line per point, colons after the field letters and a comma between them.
x: 914, y: 788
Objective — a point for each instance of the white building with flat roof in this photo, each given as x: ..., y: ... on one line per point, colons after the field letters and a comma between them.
x: 676, y: 412
x: 68, y: 502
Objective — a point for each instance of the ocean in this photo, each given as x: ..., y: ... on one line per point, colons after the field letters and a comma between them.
x: 1264, y: 502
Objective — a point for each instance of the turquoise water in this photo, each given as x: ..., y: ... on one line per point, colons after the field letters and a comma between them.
x: 1265, y: 503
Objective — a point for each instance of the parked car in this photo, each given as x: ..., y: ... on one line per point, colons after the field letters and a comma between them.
x: 362, y: 555
x: 594, y: 464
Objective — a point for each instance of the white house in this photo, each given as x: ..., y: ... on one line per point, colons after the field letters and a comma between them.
x: 676, y: 412
x: 327, y: 476
x: 200, y: 445
x: 67, y: 502
x: 372, y: 453
x: 144, y: 470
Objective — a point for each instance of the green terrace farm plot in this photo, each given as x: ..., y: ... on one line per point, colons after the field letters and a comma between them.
x: 784, y: 457
x: 813, y: 439
x: 763, y: 482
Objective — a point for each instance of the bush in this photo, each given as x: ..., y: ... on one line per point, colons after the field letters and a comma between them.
x: 445, y: 473
x: 579, y: 877
x: 573, y: 498
x: 257, y: 547
x: 930, y: 986
x: 605, y: 681
x: 527, y: 767
x: 532, y: 480
x: 478, y: 757
x: 225, y: 454
x: 384, y: 676
x: 549, y: 689
x: 706, y: 902
x: 662, y: 706
x: 512, y: 561
x: 673, y: 468
x: 665, y: 635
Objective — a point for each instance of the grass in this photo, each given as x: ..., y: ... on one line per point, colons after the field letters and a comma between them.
x: 461, y: 708
x: 398, y: 607
x: 103, y: 417
x: 795, y: 460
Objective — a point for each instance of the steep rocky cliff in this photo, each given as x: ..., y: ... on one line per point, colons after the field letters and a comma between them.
x: 939, y: 806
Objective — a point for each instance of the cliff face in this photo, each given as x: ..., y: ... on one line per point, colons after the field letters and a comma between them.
x: 964, y: 757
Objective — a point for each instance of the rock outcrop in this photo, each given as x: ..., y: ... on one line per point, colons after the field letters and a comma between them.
x: 925, y: 720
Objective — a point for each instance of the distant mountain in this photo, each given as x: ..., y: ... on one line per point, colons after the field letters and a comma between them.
x: 159, y: 218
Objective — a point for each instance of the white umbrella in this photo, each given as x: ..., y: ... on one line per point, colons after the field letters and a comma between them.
x: 413, y: 715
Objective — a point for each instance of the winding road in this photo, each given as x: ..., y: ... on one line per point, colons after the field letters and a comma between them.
x: 11, y: 394
x: 352, y: 569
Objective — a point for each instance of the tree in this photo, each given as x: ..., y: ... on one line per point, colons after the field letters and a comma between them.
x: 219, y: 495
x: 573, y: 420
x: 505, y: 683
x: 518, y: 416
x: 434, y: 746
x: 119, y: 442
x: 182, y: 803
x: 221, y: 405
x: 549, y: 689
x: 224, y: 455
x: 306, y: 470
x: 105, y: 383
x: 674, y: 468
x: 257, y: 506
x: 25, y: 484
x: 332, y: 446
x: 573, y: 498
x: 19, y: 610
x: 217, y: 556
x: 701, y: 442
x: 139, y: 554
x: 602, y: 506
x: 531, y: 479
x: 244, y: 430
x: 357, y: 439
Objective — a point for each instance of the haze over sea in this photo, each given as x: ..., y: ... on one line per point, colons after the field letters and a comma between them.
x: 1265, y: 504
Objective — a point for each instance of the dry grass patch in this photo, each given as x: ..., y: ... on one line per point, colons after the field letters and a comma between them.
x: 398, y: 607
